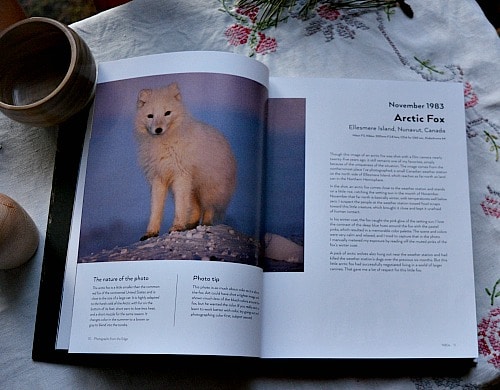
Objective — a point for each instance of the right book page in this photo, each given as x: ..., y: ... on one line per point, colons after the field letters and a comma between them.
x: 388, y: 268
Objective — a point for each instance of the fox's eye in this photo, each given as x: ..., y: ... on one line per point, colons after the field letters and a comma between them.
x: 168, y: 113
x: 150, y: 116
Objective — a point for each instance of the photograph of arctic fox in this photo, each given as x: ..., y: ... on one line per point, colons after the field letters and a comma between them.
x: 175, y: 171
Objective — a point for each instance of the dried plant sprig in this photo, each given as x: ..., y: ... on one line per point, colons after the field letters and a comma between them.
x: 274, y: 11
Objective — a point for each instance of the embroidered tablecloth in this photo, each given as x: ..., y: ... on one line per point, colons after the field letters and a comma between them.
x: 444, y: 41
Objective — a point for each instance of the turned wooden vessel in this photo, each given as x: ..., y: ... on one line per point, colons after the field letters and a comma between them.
x: 18, y: 234
x: 47, y: 72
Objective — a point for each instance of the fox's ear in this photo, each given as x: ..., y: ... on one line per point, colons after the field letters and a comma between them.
x: 143, y: 97
x: 174, y: 87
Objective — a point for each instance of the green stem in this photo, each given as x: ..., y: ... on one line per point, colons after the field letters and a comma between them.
x: 426, y: 64
x: 491, y: 138
x: 493, y: 293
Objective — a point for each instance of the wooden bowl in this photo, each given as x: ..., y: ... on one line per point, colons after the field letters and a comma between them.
x: 47, y: 72
x: 18, y: 234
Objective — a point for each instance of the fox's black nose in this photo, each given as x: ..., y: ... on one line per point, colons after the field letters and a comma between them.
x: 158, y: 130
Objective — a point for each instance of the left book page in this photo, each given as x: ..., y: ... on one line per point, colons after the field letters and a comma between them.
x: 174, y: 145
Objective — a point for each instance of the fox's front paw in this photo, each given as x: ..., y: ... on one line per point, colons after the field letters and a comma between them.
x: 148, y: 235
x: 177, y: 228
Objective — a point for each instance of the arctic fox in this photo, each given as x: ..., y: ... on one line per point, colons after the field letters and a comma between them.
x: 180, y: 153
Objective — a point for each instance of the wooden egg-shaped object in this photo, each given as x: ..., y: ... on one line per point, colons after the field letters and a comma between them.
x: 18, y: 234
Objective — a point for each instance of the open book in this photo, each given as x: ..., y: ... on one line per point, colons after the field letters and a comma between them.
x: 220, y: 211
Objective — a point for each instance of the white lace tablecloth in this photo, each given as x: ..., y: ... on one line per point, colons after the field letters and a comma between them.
x: 446, y: 40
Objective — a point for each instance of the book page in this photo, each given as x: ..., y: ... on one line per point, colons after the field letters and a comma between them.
x: 387, y: 268
x: 166, y: 219
x: 175, y: 307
